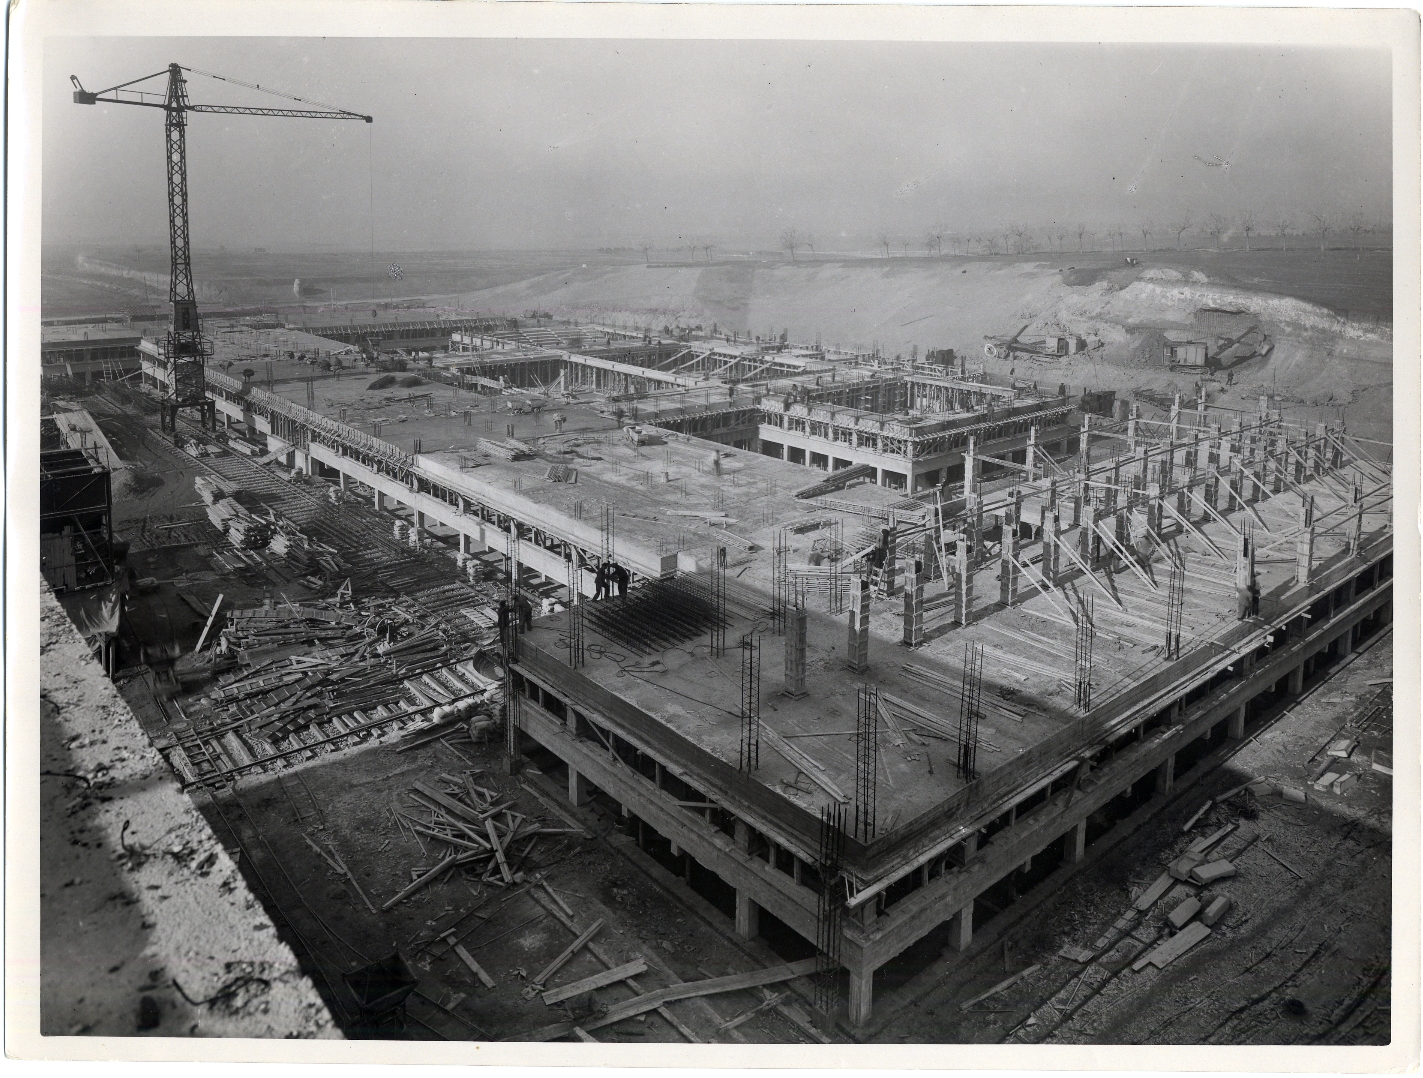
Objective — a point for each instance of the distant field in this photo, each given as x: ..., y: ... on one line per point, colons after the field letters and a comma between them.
x: 245, y: 278
x: 1356, y: 284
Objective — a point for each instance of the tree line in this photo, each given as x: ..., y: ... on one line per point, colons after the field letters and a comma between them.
x: 1244, y: 231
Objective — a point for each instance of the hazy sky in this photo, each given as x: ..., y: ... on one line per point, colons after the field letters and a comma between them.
x: 510, y: 144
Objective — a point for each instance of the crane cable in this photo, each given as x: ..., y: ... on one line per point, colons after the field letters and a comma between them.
x: 371, y: 170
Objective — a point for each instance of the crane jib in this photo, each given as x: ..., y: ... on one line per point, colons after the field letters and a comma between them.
x: 184, y: 349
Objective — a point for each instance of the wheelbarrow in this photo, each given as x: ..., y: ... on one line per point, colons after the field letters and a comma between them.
x: 381, y: 989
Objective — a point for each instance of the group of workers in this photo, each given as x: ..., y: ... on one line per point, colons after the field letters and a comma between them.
x: 606, y: 577
x: 520, y: 610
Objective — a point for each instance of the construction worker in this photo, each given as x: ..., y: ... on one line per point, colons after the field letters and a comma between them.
x: 621, y: 577
x: 526, y: 613
x: 600, y: 583
x: 1243, y: 603
x: 558, y: 420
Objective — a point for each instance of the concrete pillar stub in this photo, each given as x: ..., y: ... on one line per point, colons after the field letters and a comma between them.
x: 861, y: 996
x: 1236, y: 730
x: 1166, y: 776
x: 1075, y: 843
x: 748, y: 916
x: 578, y: 791
x: 961, y: 928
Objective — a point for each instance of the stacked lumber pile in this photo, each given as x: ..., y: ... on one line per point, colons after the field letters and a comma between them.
x: 473, y: 829
x: 305, y: 663
x: 245, y: 531
x: 212, y: 489
x: 507, y: 449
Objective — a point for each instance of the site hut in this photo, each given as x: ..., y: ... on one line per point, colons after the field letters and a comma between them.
x: 950, y: 757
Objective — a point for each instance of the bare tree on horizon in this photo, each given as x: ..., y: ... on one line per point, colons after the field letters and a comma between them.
x: 1322, y: 225
x: 1357, y: 226
x: 1247, y: 226
x: 1145, y: 228
x: 707, y: 249
x: 882, y: 240
x: 1180, y: 228
x: 790, y: 240
x: 646, y: 247
x: 1283, y: 224
x: 1081, y: 231
x: 1217, y: 225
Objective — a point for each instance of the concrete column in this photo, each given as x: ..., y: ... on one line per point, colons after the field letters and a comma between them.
x: 1236, y: 730
x: 1166, y: 776
x: 795, y: 653
x: 861, y: 995
x: 380, y: 502
x: 743, y: 836
x: 961, y: 928
x: 1075, y: 843
x: 345, y: 481
x: 858, y: 647
x: 1296, y: 682
x: 578, y: 792
x: 748, y: 916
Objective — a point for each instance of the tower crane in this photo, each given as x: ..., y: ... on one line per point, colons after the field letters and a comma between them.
x: 184, y: 351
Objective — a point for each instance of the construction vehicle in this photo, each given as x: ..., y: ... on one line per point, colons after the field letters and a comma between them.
x: 1044, y: 348
x: 185, y: 350
x: 1203, y: 355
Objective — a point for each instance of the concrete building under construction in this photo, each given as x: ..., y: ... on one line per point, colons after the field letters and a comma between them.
x: 900, y: 641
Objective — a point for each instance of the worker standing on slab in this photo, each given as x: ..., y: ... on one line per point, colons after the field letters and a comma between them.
x: 600, y: 583
x: 526, y: 613
x: 621, y: 577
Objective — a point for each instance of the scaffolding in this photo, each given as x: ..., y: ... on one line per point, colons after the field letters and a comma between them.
x: 970, y: 710
x: 866, y: 761
x: 780, y: 587
x: 829, y: 913
x: 750, y: 753
x: 718, y: 625
x: 1082, y: 654
x: 575, y: 609
x: 1175, y: 607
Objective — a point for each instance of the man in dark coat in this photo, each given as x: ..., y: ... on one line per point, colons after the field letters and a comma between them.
x: 526, y: 613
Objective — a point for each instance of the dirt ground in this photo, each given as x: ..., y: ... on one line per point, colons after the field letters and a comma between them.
x: 347, y: 799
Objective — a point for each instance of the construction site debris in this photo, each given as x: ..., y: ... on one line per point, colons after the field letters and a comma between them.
x: 1211, y: 872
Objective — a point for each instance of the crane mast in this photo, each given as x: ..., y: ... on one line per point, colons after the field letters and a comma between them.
x: 184, y: 351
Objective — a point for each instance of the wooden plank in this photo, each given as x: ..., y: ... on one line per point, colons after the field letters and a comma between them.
x: 597, y: 980
x: 1212, y: 512
x: 686, y: 990
x: 747, y: 1015
x: 568, y: 952
x: 607, y: 963
x: 1072, y: 556
x: 208, y: 626
x: 1164, y: 954
x: 449, y: 804
x: 802, y: 763
x: 566, y: 817
x: 324, y: 856
x: 1001, y: 986
x: 422, y: 880
x: 1148, y: 898
x: 1125, y: 555
x: 583, y: 1035
x: 468, y: 960
x: 1185, y: 522
x: 499, y: 852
